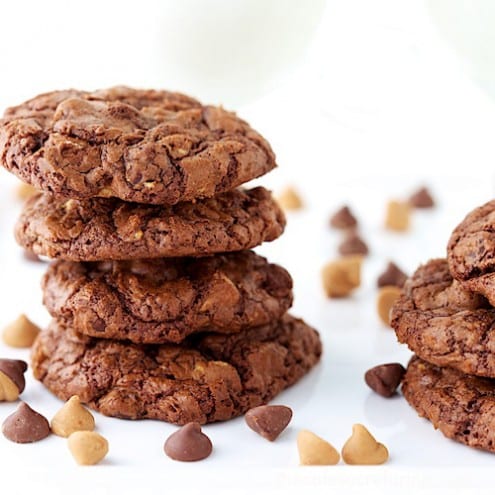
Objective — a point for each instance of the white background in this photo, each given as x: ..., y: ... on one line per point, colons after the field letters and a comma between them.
x: 372, y: 104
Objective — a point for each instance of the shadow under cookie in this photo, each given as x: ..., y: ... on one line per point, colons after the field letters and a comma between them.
x: 211, y: 377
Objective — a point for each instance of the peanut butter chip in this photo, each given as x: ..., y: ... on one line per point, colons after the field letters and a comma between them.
x: 20, y: 333
x: 314, y: 451
x: 398, y: 216
x: 73, y: 416
x: 188, y: 444
x: 269, y: 421
x: 25, y: 191
x: 87, y: 447
x: 8, y: 389
x: 289, y: 199
x: 363, y: 449
x: 342, y: 276
x: 25, y: 425
x: 386, y: 299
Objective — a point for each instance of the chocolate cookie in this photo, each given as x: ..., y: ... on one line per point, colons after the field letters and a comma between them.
x: 444, y: 324
x: 110, y: 229
x: 471, y: 251
x: 165, y: 300
x: 144, y: 146
x: 210, y: 377
x: 462, y: 407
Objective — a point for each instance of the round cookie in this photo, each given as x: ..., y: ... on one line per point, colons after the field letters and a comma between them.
x: 102, y: 229
x: 211, y: 377
x: 444, y: 324
x: 165, y: 300
x: 144, y: 146
x: 462, y: 407
x: 471, y: 251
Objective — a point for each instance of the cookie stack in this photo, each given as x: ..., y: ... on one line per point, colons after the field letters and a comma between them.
x: 446, y: 315
x: 160, y: 310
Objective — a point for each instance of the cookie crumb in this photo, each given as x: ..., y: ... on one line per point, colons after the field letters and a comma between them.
x: 314, y: 451
x: 269, y: 421
x: 422, y: 198
x: 342, y: 276
x: 398, y: 216
x: 392, y: 275
x: 343, y: 219
x: 290, y: 199
x: 363, y: 449
x: 20, y: 333
x: 385, y: 378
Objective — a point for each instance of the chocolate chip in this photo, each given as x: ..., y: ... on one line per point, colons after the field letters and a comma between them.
x: 25, y: 425
x: 14, y: 369
x: 353, y: 244
x: 422, y: 199
x: 269, y: 421
x: 392, y: 275
x: 385, y: 378
x: 188, y: 444
x: 343, y: 219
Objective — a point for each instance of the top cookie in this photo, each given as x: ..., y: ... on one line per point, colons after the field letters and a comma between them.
x: 144, y: 146
x: 471, y: 251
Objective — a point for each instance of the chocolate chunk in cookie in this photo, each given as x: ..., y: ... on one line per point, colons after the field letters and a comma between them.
x: 471, y: 251
x: 445, y: 324
x: 145, y: 146
x: 462, y: 407
x: 110, y: 229
x: 165, y: 300
x: 210, y: 377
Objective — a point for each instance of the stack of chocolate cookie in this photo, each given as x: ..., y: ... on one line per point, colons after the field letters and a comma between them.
x: 446, y: 315
x: 160, y: 308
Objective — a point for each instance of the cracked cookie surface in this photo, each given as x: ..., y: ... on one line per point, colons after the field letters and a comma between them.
x: 109, y: 229
x: 445, y: 324
x: 462, y: 407
x: 471, y: 251
x: 165, y: 300
x: 210, y: 377
x: 145, y: 146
